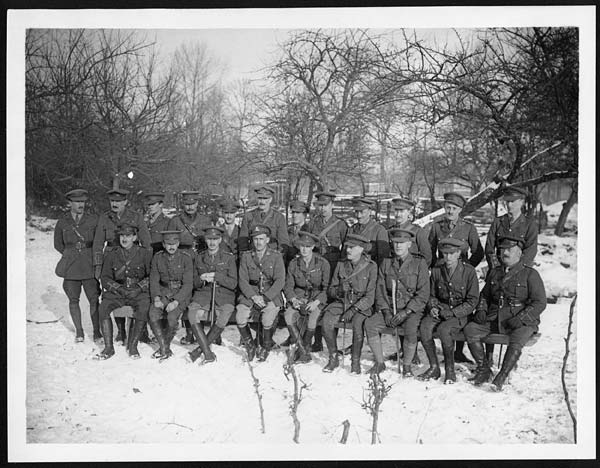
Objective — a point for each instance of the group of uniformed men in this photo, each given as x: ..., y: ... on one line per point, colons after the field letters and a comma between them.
x: 321, y: 272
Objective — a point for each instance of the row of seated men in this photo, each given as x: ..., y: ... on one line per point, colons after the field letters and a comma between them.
x: 347, y: 296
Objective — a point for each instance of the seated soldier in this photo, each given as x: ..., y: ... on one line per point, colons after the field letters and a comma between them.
x: 261, y: 280
x: 510, y: 302
x: 171, y: 284
x: 454, y: 292
x: 124, y: 277
x: 353, y: 290
x: 306, y: 292
x: 215, y: 282
x: 402, y: 292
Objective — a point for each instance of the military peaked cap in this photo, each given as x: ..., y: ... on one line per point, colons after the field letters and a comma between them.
x: 361, y: 203
x: 298, y: 206
x: 401, y: 235
x: 152, y: 197
x: 324, y: 197
x: 307, y: 239
x: 451, y: 244
x: 229, y: 206
x: 117, y: 194
x: 170, y: 237
x: 514, y: 193
x: 455, y: 198
x: 264, y: 191
x: 125, y: 229
x: 507, y: 242
x: 77, y: 195
x: 213, y: 232
x: 402, y: 203
x: 189, y: 197
x: 356, y: 239
x: 260, y: 229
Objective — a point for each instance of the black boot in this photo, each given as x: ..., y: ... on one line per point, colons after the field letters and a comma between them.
x: 449, y: 374
x: 301, y: 354
x: 198, y: 331
x: 247, y: 341
x: 144, y: 337
x: 483, y: 372
x: 130, y: 333
x: 121, y: 334
x: 214, y: 334
x: 134, y: 338
x: 159, y: 334
x: 189, y: 334
x: 510, y: 360
x: 169, y: 335
x: 433, y: 373
x: 357, y: 345
x: 268, y: 343
x: 333, y: 362
x: 416, y: 359
x: 107, y: 332
x: 305, y: 356
x: 459, y: 355
x: 95, y: 320
x: 318, y: 344
x: 377, y: 368
x: 330, y: 340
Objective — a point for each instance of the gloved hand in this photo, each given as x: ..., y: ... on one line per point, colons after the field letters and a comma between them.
x: 400, y: 317
x: 172, y: 305
x: 122, y: 291
x: 158, y: 303
x: 387, y: 317
x: 435, y: 312
x: 313, y: 306
x: 446, y: 313
x: 259, y: 301
x: 347, y: 316
x: 133, y: 292
x: 514, y: 322
x: 480, y: 317
x: 97, y: 271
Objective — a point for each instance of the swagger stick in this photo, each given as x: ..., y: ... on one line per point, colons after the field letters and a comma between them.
x: 394, y: 286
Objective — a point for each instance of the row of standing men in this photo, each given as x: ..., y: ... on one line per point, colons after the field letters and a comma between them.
x: 342, y: 294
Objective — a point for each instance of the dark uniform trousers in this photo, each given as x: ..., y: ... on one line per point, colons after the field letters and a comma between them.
x: 171, y: 278
x: 122, y: 272
x: 511, y: 302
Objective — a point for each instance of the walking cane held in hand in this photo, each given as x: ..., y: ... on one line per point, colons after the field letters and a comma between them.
x: 394, y: 310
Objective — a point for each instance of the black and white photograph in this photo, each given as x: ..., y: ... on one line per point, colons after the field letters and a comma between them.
x: 301, y: 234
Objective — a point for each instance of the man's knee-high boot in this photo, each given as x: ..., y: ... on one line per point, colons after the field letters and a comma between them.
x: 449, y: 374
x: 198, y: 331
x: 247, y: 341
x: 459, y: 355
x: 75, y: 312
x: 107, y: 332
x: 157, y: 329
x: 134, y: 337
x: 121, y: 334
x: 95, y: 316
x: 483, y: 372
x: 189, y: 334
x: 331, y: 343
x: 433, y: 373
x: 267, y: 345
x: 510, y: 360
x: 301, y: 355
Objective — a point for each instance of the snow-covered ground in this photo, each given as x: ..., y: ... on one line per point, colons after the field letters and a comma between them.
x: 71, y: 398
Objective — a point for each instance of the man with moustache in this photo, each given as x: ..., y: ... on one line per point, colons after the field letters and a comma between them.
x: 511, y: 302
x: 215, y: 272
x: 171, y: 285
x: 367, y: 227
x: 105, y: 239
x: 266, y: 216
x: 402, y: 208
x: 261, y: 280
x: 190, y: 222
x: 125, y: 273
x: 73, y: 238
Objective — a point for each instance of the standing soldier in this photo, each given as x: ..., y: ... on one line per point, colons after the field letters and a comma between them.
x: 306, y: 287
x: 231, y: 231
x: 332, y: 231
x: 402, y: 293
x: 73, y: 238
x: 299, y: 211
x: 266, y: 216
x: 215, y: 282
x: 171, y: 285
x: 371, y: 229
x: 451, y: 225
x: 261, y: 281
x: 125, y: 273
x: 513, y: 223
x: 454, y: 292
x: 108, y: 222
x: 402, y: 209
x: 353, y: 290
x: 190, y: 223
x: 511, y: 302
x: 155, y: 218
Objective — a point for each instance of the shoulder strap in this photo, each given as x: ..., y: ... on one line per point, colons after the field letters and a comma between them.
x: 324, y: 232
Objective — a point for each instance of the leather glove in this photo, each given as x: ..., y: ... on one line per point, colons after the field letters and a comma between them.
x: 514, y: 322
x: 387, y: 317
x: 446, y: 313
x: 347, y: 316
x: 97, y: 272
x: 122, y: 291
x: 480, y: 317
x: 172, y: 305
x: 400, y: 317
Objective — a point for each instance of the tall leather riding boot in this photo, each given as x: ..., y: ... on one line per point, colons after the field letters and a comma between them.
x: 130, y: 333
x: 433, y: 373
x: 459, y: 355
x: 134, y: 337
x: 247, y: 341
x: 198, y: 331
x: 214, y: 334
x: 510, y: 360
x: 307, y: 338
x: 318, y: 344
x: 409, y: 352
x: 121, y: 334
x: 489, y: 353
x: 75, y: 312
x: 168, y: 337
x: 157, y: 329
x: 268, y: 343
x: 189, y: 334
x: 377, y: 349
x: 483, y: 371
x: 144, y: 337
x: 95, y: 316
x: 357, y: 345
x: 301, y: 354
x: 107, y: 332
x: 449, y: 374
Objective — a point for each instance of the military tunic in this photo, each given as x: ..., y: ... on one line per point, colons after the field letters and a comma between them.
x: 515, y: 292
x: 524, y: 227
x: 462, y: 230
x: 74, y: 241
x: 155, y: 226
x: 224, y: 267
x: 307, y: 283
x: 191, y: 229
x: 456, y: 292
x: 126, y: 272
x: 230, y: 240
x: 293, y: 231
x: 279, y: 238
x: 266, y: 277
x: 332, y: 235
x: 105, y: 232
x: 376, y: 233
x: 171, y: 279
x: 421, y: 242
